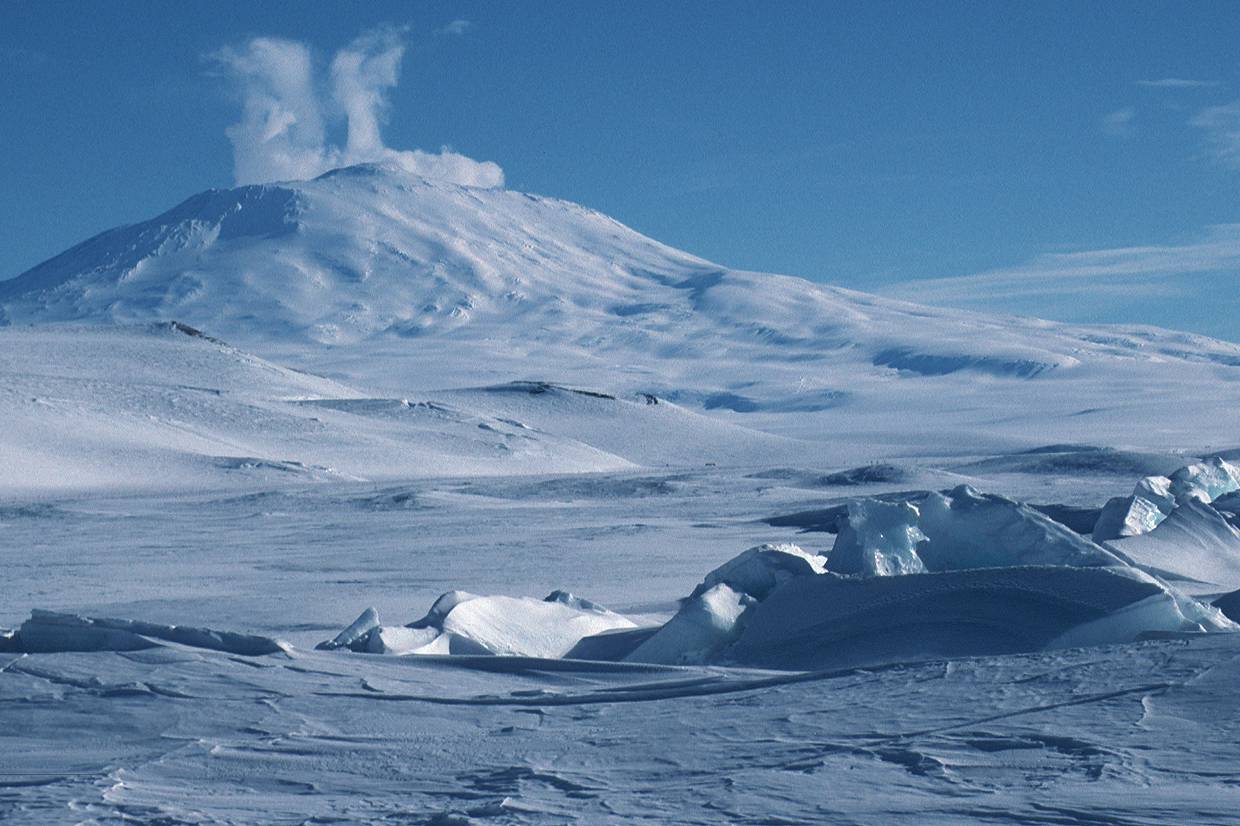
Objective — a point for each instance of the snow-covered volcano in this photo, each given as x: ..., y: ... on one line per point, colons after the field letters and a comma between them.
x: 398, y: 285
x: 358, y: 252
x: 371, y: 250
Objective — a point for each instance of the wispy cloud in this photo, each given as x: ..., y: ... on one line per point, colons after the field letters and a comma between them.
x: 1177, y: 83
x: 1119, y: 122
x: 457, y: 27
x: 1101, y: 274
x: 282, y: 132
x: 1221, y: 125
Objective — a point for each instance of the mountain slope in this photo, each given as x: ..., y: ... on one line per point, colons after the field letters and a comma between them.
x: 396, y: 284
x: 372, y: 250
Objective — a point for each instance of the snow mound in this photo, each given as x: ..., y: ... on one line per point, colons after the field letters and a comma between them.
x: 832, y: 621
x: 715, y: 613
x: 1155, y: 497
x: 1195, y: 548
x: 958, y: 530
x: 1078, y: 460
x: 930, y: 574
x: 50, y: 631
x: 463, y: 623
x: 759, y: 570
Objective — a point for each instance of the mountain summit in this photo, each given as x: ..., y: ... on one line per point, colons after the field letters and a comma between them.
x: 356, y: 252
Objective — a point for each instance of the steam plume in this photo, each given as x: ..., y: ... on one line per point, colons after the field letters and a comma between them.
x: 282, y: 133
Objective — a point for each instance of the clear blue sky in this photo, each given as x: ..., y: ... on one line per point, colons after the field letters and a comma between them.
x: 1075, y: 160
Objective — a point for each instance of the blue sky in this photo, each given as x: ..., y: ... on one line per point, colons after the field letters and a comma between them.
x: 1072, y: 160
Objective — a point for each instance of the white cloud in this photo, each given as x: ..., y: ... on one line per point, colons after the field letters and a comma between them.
x: 1222, y: 128
x: 1119, y: 122
x: 1096, y: 275
x: 457, y: 27
x: 1186, y: 286
x: 1177, y: 83
x: 1108, y: 273
x: 282, y: 131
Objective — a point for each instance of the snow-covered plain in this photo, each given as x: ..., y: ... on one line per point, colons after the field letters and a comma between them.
x: 230, y: 432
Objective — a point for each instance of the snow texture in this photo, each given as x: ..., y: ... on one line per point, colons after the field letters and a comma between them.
x: 274, y: 405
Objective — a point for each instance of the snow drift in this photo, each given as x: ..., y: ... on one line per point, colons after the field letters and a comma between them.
x: 464, y: 623
x: 932, y: 575
x: 52, y: 631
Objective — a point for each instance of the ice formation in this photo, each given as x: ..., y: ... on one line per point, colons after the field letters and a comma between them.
x: 930, y: 575
x: 1196, y: 548
x: 957, y: 574
x: 1156, y: 497
x: 953, y: 531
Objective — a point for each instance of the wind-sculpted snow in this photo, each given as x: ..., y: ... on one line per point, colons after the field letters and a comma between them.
x: 988, y: 575
x: 1140, y: 734
x: 464, y: 623
x: 715, y: 614
x: 833, y: 621
x: 1195, y: 547
x: 49, y: 632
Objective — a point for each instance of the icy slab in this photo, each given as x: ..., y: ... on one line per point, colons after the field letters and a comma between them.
x: 715, y: 613
x: 50, y: 631
x: 958, y: 530
x: 1155, y: 497
x: 359, y: 629
x: 1205, y: 481
x: 879, y: 539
